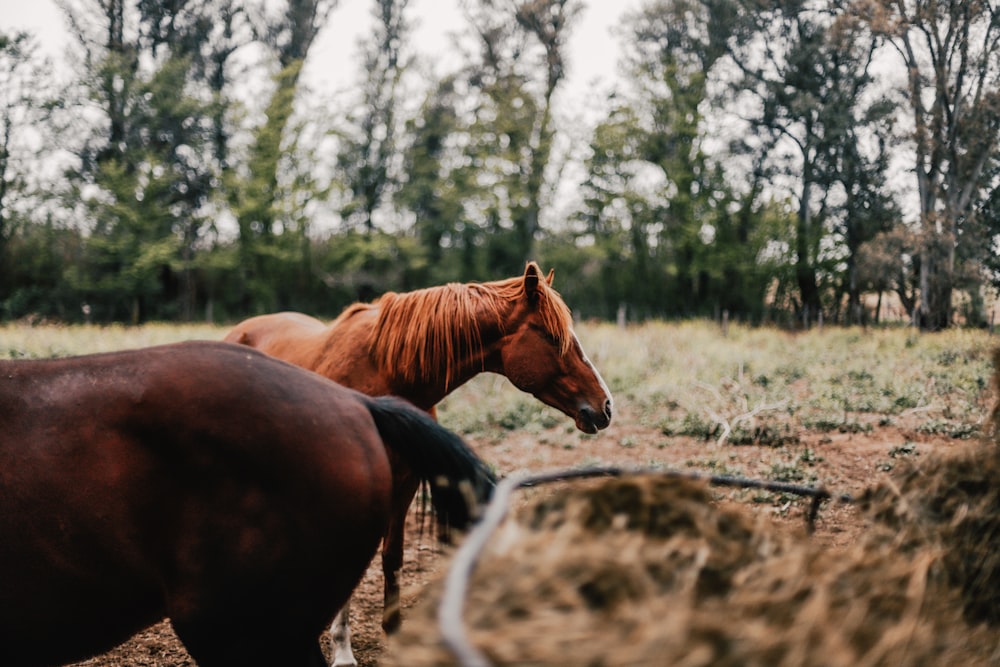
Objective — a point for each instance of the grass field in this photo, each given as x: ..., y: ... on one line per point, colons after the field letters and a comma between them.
x: 689, y: 379
x: 763, y: 385
x: 20, y: 341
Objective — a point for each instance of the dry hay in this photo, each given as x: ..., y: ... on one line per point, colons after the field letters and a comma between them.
x: 648, y: 570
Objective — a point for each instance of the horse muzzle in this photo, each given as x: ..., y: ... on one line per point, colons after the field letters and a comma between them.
x: 591, y: 421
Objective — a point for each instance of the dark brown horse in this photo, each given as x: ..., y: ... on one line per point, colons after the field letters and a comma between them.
x: 238, y: 495
x: 423, y: 345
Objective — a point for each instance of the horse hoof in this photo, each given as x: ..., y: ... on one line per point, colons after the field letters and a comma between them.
x: 391, y: 621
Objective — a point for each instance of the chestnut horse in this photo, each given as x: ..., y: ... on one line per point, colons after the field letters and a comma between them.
x: 423, y: 345
x: 238, y: 495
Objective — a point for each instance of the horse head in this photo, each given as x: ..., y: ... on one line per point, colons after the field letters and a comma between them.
x: 541, y: 355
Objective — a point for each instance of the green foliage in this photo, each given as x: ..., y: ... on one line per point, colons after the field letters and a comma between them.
x: 672, y: 236
x: 359, y: 266
x: 368, y: 146
x: 25, y: 110
x: 433, y: 191
x: 182, y: 201
x: 689, y: 379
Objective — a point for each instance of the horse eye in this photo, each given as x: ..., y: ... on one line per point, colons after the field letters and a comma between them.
x: 552, y: 339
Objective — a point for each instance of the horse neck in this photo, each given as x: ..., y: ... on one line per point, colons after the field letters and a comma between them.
x: 470, y: 361
x: 491, y: 326
x: 482, y: 331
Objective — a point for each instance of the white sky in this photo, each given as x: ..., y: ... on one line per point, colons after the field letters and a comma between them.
x: 332, y: 65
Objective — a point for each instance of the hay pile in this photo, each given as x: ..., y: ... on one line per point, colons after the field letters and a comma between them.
x: 647, y: 570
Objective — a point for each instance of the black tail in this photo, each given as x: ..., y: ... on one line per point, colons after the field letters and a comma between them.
x: 460, y: 481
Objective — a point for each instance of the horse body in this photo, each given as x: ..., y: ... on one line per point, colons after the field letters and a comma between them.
x: 337, y: 351
x: 423, y: 345
x: 238, y: 495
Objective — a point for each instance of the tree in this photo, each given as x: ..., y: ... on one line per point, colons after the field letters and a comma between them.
x: 868, y: 211
x: 678, y: 240
x: 25, y: 111
x: 671, y: 49
x: 807, y: 64
x: 253, y: 189
x: 13, y: 87
x: 146, y: 216
x: 16, y: 103
x: 511, y: 136
x: 207, y: 34
x: 369, y: 150
x: 620, y: 218
x: 951, y: 54
x: 143, y: 176
x: 435, y: 182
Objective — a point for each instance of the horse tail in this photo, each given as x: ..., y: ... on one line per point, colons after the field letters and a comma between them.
x: 460, y: 481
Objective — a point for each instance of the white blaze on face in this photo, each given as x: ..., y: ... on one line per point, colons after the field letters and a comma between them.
x: 607, y: 392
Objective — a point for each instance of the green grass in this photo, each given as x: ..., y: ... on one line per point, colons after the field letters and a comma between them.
x: 19, y: 341
x: 762, y: 386
x: 759, y: 386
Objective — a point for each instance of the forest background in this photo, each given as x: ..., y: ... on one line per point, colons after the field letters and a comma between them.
x: 789, y: 162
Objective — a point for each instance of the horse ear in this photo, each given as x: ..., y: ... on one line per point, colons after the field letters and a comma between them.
x: 531, y: 276
x: 548, y: 278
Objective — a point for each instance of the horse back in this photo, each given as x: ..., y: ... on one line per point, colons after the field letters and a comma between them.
x: 340, y: 351
x: 293, y: 337
x: 177, y: 481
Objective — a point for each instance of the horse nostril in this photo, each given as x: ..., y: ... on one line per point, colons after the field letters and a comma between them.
x: 597, y: 420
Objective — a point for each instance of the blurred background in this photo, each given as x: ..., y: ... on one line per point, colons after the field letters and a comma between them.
x: 786, y: 162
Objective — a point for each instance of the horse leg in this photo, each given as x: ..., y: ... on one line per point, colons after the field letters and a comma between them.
x: 213, y: 646
x: 340, y: 635
x: 404, y: 488
x: 314, y: 658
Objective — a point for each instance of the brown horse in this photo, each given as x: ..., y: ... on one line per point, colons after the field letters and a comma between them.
x: 423, y: 345
x: 238, y: 495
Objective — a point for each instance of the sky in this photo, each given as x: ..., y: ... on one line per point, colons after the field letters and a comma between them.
x: 332, y: 63
x: 332, y: 67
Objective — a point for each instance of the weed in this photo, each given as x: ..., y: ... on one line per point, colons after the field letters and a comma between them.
x: 715, y: 466
x: 906, y: 449
x: 783, y: 472
x: 809, y: 457
x: 950, y: 428
x: 766, y: 434
x: 692, y: 425
x: 905, y: 402
x: 852, y: 426
x: 823, y: 424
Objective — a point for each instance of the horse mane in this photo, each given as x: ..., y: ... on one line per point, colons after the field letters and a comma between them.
x: 420, y: 335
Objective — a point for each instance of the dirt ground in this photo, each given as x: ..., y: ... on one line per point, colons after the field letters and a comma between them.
x: 842, y: 462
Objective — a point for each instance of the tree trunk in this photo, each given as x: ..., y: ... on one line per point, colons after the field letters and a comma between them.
x: 805, y: 273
